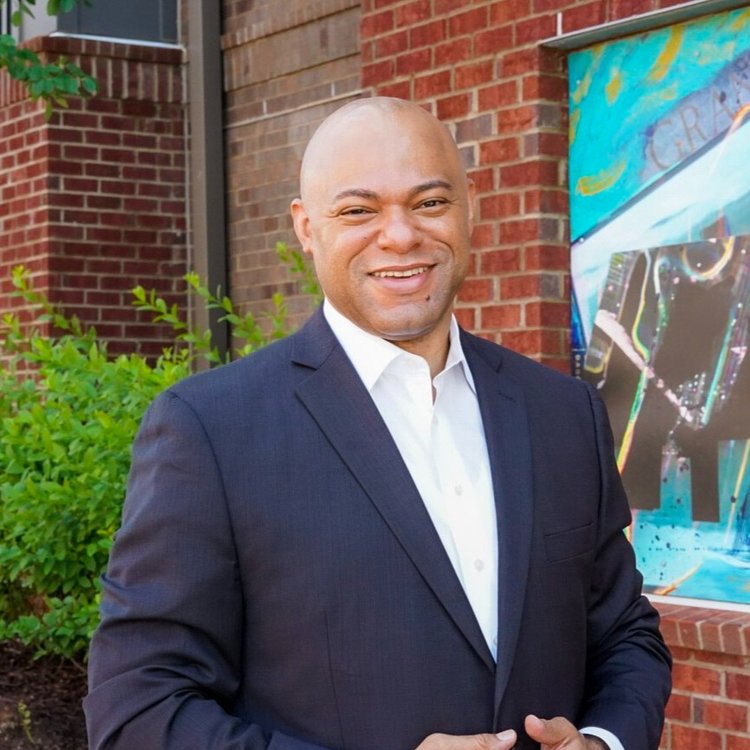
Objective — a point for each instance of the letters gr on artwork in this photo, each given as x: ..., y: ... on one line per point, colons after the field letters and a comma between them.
x: 660, y: 221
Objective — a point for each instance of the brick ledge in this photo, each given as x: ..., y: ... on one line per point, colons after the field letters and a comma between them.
x: 67, y: 45
x: 704, y: 629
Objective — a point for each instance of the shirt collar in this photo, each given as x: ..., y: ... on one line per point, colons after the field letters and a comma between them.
x: 371, y: 355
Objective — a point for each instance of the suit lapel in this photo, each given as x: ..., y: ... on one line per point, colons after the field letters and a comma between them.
x: 501, y: 403
x: 343, y: 409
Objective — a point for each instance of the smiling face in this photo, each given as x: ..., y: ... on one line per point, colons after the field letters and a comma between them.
x: 385, y: 213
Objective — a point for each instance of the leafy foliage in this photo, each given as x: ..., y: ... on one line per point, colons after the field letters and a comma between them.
x: 54, y: 82
x: 68, y: 415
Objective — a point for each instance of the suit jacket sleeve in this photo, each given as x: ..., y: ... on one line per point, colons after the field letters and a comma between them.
x: 166, y: 660
x: 628, y: 680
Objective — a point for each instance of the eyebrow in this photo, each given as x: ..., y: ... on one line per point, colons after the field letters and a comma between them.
x: 372, y: 195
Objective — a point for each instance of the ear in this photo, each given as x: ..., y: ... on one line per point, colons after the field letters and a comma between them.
x: 301, y: 225
x: 471, y: 191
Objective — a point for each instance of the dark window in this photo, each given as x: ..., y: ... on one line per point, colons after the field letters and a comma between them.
x: 141, y: 20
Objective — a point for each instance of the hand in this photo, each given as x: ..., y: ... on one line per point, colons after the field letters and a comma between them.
x: 503, y: 741
x: 559, y: 734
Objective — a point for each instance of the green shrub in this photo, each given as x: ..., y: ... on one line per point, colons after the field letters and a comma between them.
x: 68, y: 416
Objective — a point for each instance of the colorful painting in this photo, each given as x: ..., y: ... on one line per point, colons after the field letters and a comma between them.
x: 660, y: 220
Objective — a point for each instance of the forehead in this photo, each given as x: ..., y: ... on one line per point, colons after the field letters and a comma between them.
x: 370, y: 149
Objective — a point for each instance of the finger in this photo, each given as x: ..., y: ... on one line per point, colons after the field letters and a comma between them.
x: 550, y: 731
x: 502, y: 741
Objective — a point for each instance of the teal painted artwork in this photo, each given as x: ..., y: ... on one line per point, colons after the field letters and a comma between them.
x: 660, y: 258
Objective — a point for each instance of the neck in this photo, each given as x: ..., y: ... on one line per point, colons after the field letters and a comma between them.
x: 432, y: 348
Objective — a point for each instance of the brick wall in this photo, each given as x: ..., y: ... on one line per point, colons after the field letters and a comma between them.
x: 94, y: 201
x: 24, y: 153
x: 287, y: 66
x: 479, y: 66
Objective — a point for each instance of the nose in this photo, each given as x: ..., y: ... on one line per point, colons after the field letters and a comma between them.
x: 398, y: 231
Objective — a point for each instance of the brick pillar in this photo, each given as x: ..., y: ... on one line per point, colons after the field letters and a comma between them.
x: 94, y: 201
x: 24, y: 235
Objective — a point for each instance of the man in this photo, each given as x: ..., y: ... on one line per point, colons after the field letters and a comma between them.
x: 380, y: 533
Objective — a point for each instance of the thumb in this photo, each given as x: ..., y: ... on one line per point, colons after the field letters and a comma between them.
x: 550, y: 731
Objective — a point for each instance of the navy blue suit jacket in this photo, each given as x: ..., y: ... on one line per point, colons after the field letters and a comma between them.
x: 277, y: 582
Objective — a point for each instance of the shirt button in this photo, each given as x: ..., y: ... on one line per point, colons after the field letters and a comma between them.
x: 479, y: 564
x: 458, y: 489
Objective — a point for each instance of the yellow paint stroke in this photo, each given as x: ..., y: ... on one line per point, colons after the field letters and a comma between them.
x: 592, y: 184
x: 742, y: 114
x: 666, y: 590
x: 742, y: 19
x: 651, y: 101
x: 736, y: 493
x: 667, y: 55
x: 575, y: 119
x: 614, y: 87
x: 582, y: 88
x: 717, y: 54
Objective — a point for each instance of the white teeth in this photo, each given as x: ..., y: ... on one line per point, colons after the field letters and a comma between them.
x: 399, y: 274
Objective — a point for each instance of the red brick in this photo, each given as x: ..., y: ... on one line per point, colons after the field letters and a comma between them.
x: 399, y: 90
x: 468, y: 22
x: 500, y: 317
x: 499, y: 95
x: 476, y: 290
x: 414, y: 62
x: 533, y: 342
x: 583, y: 16
x: 483, y: 236
x: 724, y: 715
x: 538, y: 28
x: 508, y: 10
x: 500, y: 206
x: 466, y: 318
x: 549, y: 314
x: 494, y: 40
x: 545, y: 87
x: 377, y: 72
x: 694, y: 738
x: 500, y: 261
x: 519, y: 62
x: 545, y: 201
x: 432, y: 84
x: 392, y: 44
x: 453, y: 51
x: 520, y: 287
x: 532, y: 173
x: 377, y: 23
x: 737, y: 743
x: 545, y: 144
x: 427, y: 34
x: 483, y: 179
x: 413, y: 13
x: 738, y: 685
x: 695, y: 679
x: 474, y: 74
x: 450, y: 6
x: 679, y: 708
x: 452, y: 107
x: 625, y: 8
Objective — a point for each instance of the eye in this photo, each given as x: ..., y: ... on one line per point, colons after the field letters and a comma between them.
x: 357, y: 211
x: 433, y: 203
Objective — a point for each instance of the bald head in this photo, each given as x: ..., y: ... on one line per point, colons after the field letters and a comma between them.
x: 366, y: 122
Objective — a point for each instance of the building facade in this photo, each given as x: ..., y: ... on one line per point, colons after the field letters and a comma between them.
x: 103, y: 196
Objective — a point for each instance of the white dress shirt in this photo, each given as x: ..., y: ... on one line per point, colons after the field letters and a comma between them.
x: 443, y: 446
x: 442, y: 442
